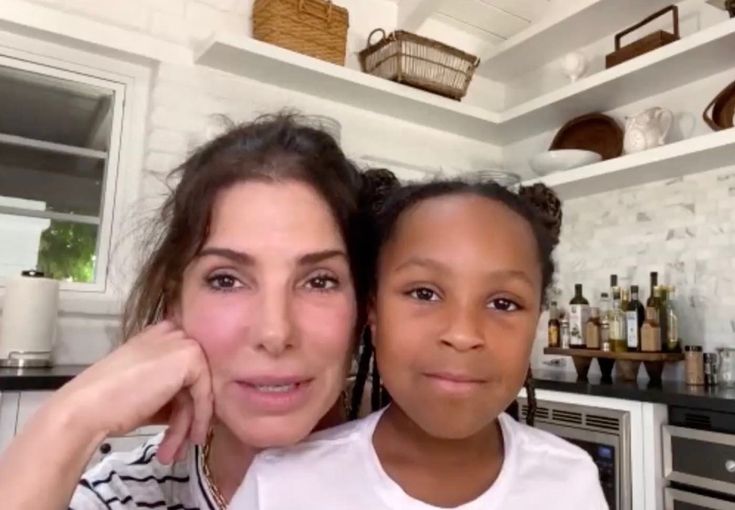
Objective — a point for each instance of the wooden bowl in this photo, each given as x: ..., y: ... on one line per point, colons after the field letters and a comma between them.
x: 592, y: 132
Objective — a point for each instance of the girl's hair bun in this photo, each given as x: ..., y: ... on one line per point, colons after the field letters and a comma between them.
x: 377, y: 184
x: 546, y: 202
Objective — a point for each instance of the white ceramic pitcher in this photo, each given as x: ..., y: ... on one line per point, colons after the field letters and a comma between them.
x: 648, y: 129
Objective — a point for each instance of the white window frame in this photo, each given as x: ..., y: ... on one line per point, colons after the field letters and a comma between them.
x: 123, y: 172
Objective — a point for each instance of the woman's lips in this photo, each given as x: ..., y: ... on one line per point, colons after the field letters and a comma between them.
x: 271, y: 394
x: 454, y: 382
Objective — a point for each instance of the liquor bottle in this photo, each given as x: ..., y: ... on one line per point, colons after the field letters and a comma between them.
x: 564, y: 332
x: 614, y: 284
x: 578, y: 315
x: 654, y: 284
x: 663, y: 310
x: 651, y: 332
x: 672, y: 323
x: 624, y: 298
x: 617, y: 326
x: 592, y: 329
x: 553, y: 332
x: 635, y: 315
x: 605, y: 321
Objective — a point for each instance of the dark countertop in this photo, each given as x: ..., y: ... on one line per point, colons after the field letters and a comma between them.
x: 34, y: 379
x: 668, y: 392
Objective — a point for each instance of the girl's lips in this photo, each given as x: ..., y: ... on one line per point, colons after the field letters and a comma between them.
x: 454, y: 382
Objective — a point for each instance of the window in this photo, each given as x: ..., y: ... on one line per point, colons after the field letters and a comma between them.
x: 59, y: 143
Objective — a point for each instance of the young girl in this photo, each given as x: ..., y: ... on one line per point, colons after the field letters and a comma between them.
x: 461, y: 276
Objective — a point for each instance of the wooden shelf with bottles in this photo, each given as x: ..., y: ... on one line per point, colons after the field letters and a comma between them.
x: 628, y: 362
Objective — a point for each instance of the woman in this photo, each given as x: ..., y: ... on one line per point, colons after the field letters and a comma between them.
x: 240, y: 327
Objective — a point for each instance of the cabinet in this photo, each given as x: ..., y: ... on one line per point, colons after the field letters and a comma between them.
x: 16, y: 408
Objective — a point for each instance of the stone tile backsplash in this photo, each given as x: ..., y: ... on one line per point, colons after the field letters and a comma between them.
x: 682, y: 228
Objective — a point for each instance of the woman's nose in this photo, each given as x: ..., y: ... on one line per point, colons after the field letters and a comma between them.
x: 275, y: 335
x: 463, y: 331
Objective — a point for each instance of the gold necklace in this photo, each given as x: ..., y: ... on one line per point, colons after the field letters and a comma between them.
x: 219, y: 499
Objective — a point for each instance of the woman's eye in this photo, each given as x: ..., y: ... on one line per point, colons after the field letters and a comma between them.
x: 224, y: 282
x: 424, y: 294
x: 322, y: 282
x: 503, y: 305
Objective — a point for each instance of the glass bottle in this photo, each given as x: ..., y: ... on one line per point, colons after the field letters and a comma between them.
x: 592, y: 329
x: 617, y: 326
x: 605, y: 321
x: 672, y: 323
x: 564, y: 332
x: 553, y: 331
x: 635, y: 314
x: 578, y: 315
x: 654, y: 284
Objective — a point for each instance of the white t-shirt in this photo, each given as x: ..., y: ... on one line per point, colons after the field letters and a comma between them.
x: 338, y: 469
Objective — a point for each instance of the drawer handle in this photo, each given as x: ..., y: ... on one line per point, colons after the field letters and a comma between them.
x: 730, y: 466
x: 105, y: 448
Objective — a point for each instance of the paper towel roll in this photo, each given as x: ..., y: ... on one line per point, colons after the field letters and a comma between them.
x: 29, y: 319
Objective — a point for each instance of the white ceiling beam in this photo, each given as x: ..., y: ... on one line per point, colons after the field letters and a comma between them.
x: 413, y: 13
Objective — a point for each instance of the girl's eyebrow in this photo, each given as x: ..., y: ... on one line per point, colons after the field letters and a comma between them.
x: 499, y: 274
x: 245, y: 259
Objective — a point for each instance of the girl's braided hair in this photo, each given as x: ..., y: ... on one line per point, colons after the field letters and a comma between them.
x: 386, y: 199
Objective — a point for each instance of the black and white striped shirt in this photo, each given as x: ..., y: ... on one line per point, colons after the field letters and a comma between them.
x: 135, y: 480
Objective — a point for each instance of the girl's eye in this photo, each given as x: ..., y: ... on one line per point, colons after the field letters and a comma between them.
x: 322, y: 283
x: 503, y: 305
x: 224, y: 282
x: 424, y: 294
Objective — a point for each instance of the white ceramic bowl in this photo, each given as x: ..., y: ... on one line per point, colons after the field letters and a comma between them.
x: 563, y: 159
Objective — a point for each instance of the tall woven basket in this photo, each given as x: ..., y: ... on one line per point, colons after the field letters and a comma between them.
x: 317, y: 28
x: 419, y: 62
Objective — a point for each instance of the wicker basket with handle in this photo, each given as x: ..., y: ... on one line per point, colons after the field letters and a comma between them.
x: 317, y: 28
x: 419, y: 62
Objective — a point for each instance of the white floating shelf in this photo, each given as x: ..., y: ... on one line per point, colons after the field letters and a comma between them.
x: 548, y: 39
x: 701, y: 54
x: 277, y: 66
x: 698, y: 154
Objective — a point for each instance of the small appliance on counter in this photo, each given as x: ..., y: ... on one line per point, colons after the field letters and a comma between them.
x: 28, y: 325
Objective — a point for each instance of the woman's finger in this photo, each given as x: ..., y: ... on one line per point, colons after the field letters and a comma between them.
x: 200, y: 390
x: 178, y: 429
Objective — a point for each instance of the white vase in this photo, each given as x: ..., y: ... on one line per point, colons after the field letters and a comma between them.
x: 574, y: 65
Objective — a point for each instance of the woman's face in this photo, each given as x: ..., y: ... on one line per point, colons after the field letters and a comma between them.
x: 456, y: 310
x: 271, y: 301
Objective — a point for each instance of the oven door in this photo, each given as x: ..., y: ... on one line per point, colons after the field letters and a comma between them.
x: 608, y: 455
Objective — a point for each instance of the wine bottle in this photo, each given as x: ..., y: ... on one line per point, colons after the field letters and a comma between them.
x: 617, y: 326
x: 635, y: 314
x: 654, y: 284
x: 578, y: 315
x: 553, y: 332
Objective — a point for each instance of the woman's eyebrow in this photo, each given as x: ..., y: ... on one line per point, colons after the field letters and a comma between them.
x: 320, y: 256
x: 239, y: 257
x: 245, y: 259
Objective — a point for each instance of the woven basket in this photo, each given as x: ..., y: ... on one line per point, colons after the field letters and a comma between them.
x: 419, y: 62
x: 317, y: 28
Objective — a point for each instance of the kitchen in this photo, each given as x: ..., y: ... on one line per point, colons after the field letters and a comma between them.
x: 164, y: 70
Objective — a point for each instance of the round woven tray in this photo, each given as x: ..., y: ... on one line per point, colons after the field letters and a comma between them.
x: 592, y: 132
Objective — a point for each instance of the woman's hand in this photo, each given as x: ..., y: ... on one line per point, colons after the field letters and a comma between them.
x: 160, y: 371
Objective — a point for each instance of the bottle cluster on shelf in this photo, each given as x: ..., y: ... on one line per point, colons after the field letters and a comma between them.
x: 620, y: 323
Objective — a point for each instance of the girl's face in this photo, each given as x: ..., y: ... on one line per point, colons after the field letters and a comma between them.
x: 458, y: 301
x: 271, y: 301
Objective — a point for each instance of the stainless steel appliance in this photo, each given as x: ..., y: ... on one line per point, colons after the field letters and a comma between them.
x: 603, y: 433
x: 699, y: 459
